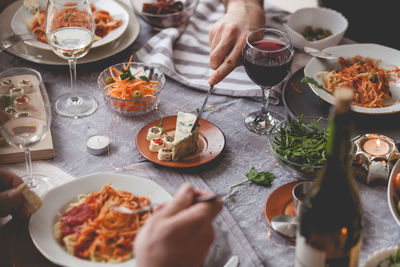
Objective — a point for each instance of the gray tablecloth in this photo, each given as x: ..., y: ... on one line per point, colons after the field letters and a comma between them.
x: 240, y: 228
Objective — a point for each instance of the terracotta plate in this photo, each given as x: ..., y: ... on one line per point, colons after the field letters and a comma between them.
x: 210, y: 145
x: 280, y: 202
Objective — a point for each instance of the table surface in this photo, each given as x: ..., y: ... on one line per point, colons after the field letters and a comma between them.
x: 240, y: 228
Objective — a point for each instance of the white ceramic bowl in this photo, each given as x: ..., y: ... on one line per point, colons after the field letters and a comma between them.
x: 316, y: 17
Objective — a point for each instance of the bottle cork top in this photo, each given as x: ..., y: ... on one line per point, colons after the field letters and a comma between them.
x: 344, y: 97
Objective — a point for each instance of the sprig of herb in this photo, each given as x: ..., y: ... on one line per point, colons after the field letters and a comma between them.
x: 302, y: 143
x: 259, y: 178
x: 160, y: 125
x: 144, y: 78
x: 307, y: 79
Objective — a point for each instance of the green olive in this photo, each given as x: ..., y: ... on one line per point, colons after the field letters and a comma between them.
x: 136, y: 94
x: 109, y: 80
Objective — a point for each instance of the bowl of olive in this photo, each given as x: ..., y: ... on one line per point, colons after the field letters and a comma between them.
x: 134, y: 101
x: 316, y: 27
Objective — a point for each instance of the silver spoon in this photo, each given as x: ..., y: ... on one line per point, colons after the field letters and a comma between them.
x: 285, y: 225
x: 319, y: 54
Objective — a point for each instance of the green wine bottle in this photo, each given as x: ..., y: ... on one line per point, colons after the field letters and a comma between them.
x: 329, y: 232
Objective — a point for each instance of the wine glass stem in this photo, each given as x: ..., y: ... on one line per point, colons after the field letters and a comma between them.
x: 265, y: 101
x: 72, y: 72
x: 28, y: 162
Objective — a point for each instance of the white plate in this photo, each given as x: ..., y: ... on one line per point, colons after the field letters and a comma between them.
x: 379, y: 256
x: 392, y: 193
x: 390, y: 57
x: 19, y: 22
x: 42, y: 56
x: 42, y: 222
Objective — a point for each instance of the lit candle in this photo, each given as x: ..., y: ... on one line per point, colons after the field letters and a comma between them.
x: 376, y: 147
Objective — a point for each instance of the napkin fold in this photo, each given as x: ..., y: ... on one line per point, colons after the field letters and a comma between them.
x: 183, y: 54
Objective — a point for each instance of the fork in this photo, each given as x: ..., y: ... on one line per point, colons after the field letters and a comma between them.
x: 15, y: 38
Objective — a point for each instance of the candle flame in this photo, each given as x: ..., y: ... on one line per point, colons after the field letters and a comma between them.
x: 344, y: 230
x: 378, y: 143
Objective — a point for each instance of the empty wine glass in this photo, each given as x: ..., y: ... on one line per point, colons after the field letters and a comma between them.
x: 267, y: 58
x: 25, y: 128
x: 69, y: 32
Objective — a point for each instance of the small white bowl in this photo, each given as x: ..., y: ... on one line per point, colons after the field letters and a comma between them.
x: 316, y: 17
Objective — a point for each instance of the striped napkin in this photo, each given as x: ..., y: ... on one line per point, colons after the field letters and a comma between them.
x: 183, y: 55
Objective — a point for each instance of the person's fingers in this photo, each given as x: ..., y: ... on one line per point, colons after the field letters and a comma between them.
x: 9, y: 179
x: 226, y: 43
x: 10, y: 200
x: 182, y: 199
x: 230, y: 63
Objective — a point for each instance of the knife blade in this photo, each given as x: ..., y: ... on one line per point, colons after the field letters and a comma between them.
x: 232, y: 262
x: 202, y: 108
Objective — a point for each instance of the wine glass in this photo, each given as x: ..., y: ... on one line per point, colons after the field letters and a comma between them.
x: 267, y: 58
x: 69, y: 32
x: 25, y: 128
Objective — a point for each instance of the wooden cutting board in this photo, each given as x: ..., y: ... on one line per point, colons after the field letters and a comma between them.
x: 42, y: 150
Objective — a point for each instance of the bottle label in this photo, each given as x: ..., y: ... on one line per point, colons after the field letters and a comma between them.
x: 308, y: 256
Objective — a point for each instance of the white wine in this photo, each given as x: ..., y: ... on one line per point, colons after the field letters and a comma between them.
x: 24, y: 131
x: 70, y: 42
x: 329, y: 232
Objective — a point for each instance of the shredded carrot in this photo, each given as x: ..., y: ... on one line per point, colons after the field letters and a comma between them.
x: 125, y: 88
x: 298, y: 90
x: 369, y: 82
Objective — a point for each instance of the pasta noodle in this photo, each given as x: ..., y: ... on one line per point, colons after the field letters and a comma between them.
x: 369, y: 82
x: 91, y: 229
x: 104, y: 23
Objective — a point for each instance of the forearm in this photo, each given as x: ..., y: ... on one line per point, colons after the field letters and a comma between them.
x: 259, y: 3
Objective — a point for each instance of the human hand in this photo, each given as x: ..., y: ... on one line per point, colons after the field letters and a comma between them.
x: 227, y: 36
x: 11, y: 199
x: 179, y: 234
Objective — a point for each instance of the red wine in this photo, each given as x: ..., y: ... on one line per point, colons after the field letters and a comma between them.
x: 268, y: 63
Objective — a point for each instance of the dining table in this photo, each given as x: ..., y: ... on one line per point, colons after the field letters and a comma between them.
x: 240, y: 228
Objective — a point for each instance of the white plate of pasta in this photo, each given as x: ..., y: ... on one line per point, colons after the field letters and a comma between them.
x: 74, y: 225
x: 111, y: 20
x: 371, y: 70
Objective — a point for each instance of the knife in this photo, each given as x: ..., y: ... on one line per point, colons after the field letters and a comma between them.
x: 202, y: 108
x: 232, y: 262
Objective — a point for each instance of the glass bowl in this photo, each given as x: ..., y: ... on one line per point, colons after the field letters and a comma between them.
x: 133, y: 106
x: 297, y: 170
x: 161, y: 21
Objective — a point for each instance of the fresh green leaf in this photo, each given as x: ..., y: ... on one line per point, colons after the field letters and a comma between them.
x: 259, y: 178
x: 160, y: 125
x: 6, y: 101
x: 127, y: 74
x: 307, y: 79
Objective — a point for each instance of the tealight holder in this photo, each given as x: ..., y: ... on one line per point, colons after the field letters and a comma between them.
x: 374, y: 158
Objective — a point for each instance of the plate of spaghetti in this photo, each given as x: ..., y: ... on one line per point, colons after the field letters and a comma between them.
x: 111, y: 21
x: 371, y: 70
x: 77, y: 225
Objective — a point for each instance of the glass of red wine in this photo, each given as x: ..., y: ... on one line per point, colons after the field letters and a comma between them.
x: 267, y: 58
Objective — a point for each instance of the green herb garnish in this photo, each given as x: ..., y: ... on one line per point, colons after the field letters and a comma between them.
x: 160, y: 125
x: 259, y: 178
x: 307, y: 79
x: 127, y: 74
x: 301, y: 143
x: 144, y: 78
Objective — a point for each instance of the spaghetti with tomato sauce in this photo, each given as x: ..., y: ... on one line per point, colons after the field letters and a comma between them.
x: 91, y: 229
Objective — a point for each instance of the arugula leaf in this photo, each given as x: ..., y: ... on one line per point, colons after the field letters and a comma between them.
x: 307, y: 79
x: 144, y: 78
x: 259, y: 178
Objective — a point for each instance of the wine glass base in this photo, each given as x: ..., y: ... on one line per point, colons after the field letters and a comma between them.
x: 259, y: 125
x: 78, y: 106
x: 38, y: 183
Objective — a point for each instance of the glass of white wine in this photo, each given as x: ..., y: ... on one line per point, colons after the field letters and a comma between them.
x: 69, y: 32
x: 25, y: 128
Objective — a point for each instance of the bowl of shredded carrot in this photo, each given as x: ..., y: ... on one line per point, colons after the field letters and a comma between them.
x: 131, y: 87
